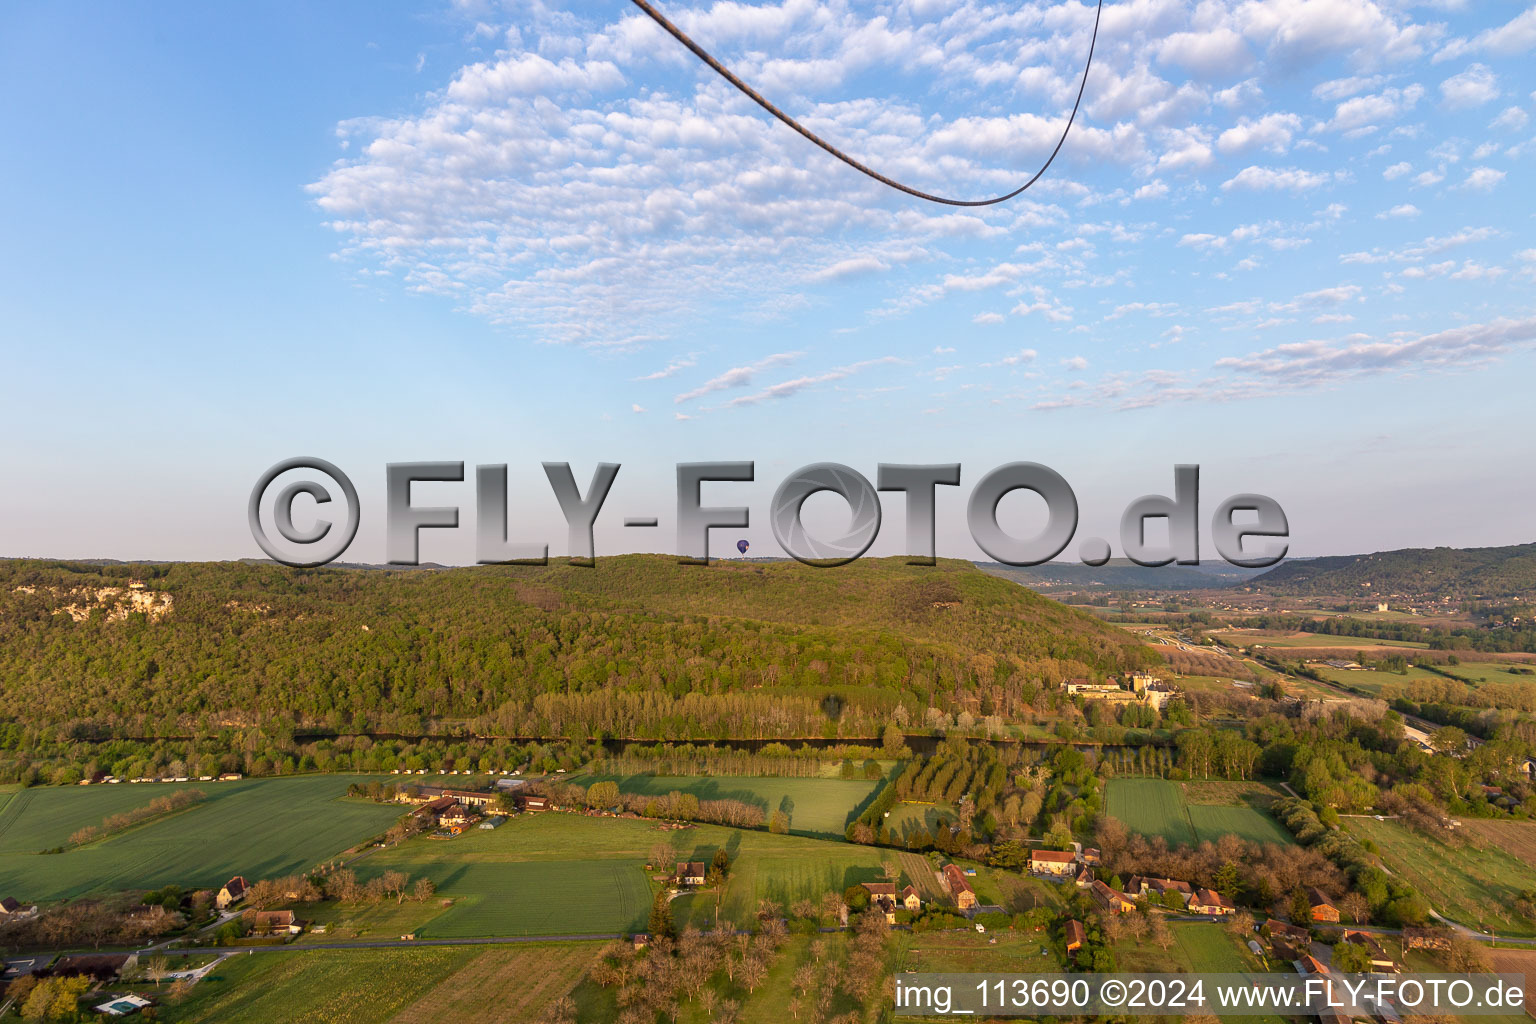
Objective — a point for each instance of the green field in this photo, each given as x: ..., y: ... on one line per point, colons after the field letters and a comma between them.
x: 1250, y: 638
x: 325, y: 987
x: 575, y: 897
x: 1152, y: 807
x: 260, y: 828
x: 907, y: 818
x: 465, y: 984
x: 815, y: 806
x: 1370, y: 680
x: 1211, y: 823
x: 1158, y: 807
x: 1474, y: 885
x: 517, y: 879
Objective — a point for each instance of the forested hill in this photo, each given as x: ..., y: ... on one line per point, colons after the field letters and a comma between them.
x: 1123, y: 574
x: 635, y: 646
x: 1493, y: 573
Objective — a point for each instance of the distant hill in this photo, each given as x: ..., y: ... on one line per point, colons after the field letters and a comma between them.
x: 1493, y: 573
x: 638, y: 645
x: 1123, y: 574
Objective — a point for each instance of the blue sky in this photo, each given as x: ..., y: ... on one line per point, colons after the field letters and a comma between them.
x: 1290, y: 240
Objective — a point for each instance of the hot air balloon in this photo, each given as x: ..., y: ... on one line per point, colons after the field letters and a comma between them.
x: 742, y: 546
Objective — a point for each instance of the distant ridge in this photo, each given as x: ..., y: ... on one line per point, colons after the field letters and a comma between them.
x: 1123, y: 574
x: 1491, y: 573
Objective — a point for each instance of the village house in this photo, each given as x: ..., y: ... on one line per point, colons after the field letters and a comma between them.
x: 1209, y: 901
x: 1322, y: 907
x: 1109, y: 899
x: 1380, y: 961
x: 467, y: 797
x: 1052, y: 862
x: 103, y: 968
x: 1084, y: 877
x: 1076, y: 935
x: 1091, y: 855
x: 232, y: 892
x: 1290, y: 932
x: 432, y: 811
x: 273, y: 922
x: 1157, y: 888
x: 457, y: 814
x: 911, y: 899
x: 883, y: 896
x: 959, y: 888
x: 689, y: 872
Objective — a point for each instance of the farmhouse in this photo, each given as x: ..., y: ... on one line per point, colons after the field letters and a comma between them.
x: 273, y: 922
x: 431, y: 811
x: 1209, y: 901
x: 1291, y: 932
x: 1091, y: 855
x: 1084, y: 877
x: 1076, y: 936
x: 1157, y: 888
x: 1379, y: 958
x: 883, y: 895
x: 1109, y: 899
x: 232, y: 892
x: 1052, y: 862
x: 102, y: 967
x: 1322, y: 907
x: 959, y: 888
x: 458, y: 814
x: 911, y: 899
x: 467, y: 797
x: 689, y: 872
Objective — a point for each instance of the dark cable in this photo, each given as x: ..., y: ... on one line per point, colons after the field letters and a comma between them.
x: 756, y: 97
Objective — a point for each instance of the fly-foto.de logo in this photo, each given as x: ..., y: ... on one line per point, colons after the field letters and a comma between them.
x: 1238, y: 519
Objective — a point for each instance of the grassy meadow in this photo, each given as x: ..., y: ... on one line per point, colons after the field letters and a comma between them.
x: 466, y: 984
x: 816, y: 806
x: 1194, y: 812
x: 260, y: 828
x: 517, y: 879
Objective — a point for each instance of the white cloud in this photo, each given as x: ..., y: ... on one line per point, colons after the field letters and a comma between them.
x: 1276, y: 178
x: 1075, y: 363
x: 1397, y: 170
x: 1399, y: 211
x: 789, y: 388
x: 671, y: 369
x: 1272, y: 132
x: 1511, y: 119
x: 1367, y: 113
x: 1483, y: 178
x: 987, y: 318
x: 1473, y: 87
x: 738, y: 377
x: 1321, y: 362
x: 1514, y: 37
x: 852, y: 267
